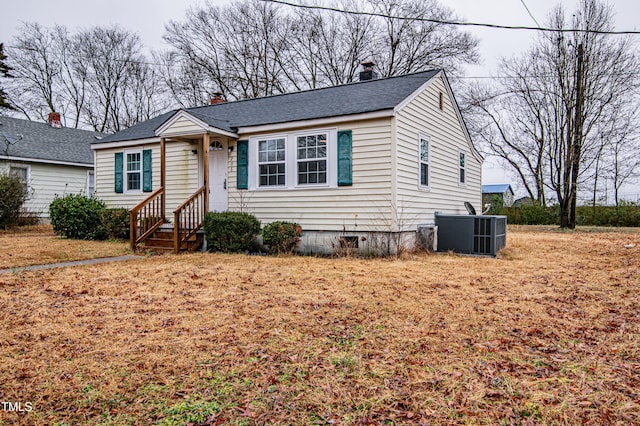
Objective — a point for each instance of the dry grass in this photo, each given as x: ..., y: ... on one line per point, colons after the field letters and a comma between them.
x: 34, y: 245
x: 546, y: 334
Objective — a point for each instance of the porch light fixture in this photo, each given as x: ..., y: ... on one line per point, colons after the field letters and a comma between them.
x: 230, y: 149
x: 194, y: 151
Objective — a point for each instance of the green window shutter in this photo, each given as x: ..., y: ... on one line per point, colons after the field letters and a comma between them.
x: 344, y: 158
x: 147, y: 182
x: 242, y: 180
x: 118, y: 178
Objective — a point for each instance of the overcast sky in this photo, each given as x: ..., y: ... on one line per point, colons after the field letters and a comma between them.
x: 148, y: 18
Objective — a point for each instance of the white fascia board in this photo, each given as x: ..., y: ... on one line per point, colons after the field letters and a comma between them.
x: 315, y: 122
x: 39, y: 160
x: 222, y: 132
x: 206, y: 128
x: 124, y: 144
x: 475, y: 152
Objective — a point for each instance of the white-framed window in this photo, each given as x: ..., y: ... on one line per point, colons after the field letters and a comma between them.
x: 424, y: 162
x: 91, y: 183
x: 461, y: 167
x: 312, y: 159
x: 23, y: 172
x: 133, y: 170
x: 272, y: 166
x: 296, y: 160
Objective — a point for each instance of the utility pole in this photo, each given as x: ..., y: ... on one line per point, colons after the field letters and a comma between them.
x: 577, y: 138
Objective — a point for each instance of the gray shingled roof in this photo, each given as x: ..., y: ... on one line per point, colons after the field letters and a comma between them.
x: 32, y: 139
x: 348, y: 99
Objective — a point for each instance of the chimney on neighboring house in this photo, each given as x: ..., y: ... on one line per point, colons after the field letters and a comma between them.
x: 54, y: 120
x: 367, y: 72
x: 217, y: 98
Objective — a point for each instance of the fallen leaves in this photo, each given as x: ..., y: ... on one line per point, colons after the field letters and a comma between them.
x: 545, y: 335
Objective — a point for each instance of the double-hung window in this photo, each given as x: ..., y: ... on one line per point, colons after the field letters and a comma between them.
x: 462, y: 168
x: 298, y: 160
x: 133, y: 164
x: 21, y: 172
x: 312, y: 159
x: 91, y: 183
x: 272, y: 162
x: 424, y: 161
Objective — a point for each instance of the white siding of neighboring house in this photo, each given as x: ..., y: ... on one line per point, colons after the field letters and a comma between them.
x: 364, y: 206
x: 181, y: 178
x: 423, y: 116
x: 48, y: 180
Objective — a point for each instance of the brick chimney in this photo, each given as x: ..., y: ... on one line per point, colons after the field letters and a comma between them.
x: 217, y: 98
x: 367, y: 72
x: 54, y: 120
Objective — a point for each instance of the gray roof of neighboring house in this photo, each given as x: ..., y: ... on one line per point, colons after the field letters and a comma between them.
x: 496, y: 189
x: 39, y: 141
x: 354, y: 98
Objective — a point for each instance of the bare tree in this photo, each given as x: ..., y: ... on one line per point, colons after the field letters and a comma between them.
x: 403, y: 46
x: 622, y: 163
x: 552, y: 104
x: 4, y: 73
x: 252, y: 48
x: 236, y: 48
x: 36, y: 70
x: 97, y: 77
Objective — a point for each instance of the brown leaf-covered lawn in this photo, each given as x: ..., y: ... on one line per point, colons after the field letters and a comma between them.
x: 548, y: 333
x: 34, y: 245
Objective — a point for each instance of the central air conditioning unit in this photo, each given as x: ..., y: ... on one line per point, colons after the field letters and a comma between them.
x: 471, y: 234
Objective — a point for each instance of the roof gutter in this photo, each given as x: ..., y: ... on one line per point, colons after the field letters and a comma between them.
x: 119, y: 144
x: 44, y: 161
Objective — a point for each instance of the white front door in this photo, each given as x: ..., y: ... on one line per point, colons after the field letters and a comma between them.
x: 218, y: 177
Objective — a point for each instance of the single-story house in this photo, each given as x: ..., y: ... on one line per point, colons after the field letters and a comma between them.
x: 364, y: 163
x: 51, y: 160
x: 503, y: 191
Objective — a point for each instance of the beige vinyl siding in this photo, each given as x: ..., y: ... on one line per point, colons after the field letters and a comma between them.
x: 182, y: 173
x: 183, y: 126
x: 422, y: 116
x: 48, y: 180
x: 181, y: 179
x: 364, y: 206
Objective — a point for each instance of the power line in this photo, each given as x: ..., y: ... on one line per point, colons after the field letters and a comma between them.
x: 529, y: 12
x: 447, y: 22
x: 228, y: 69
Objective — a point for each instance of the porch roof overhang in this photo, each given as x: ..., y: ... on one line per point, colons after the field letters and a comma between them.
x: 184, y: 124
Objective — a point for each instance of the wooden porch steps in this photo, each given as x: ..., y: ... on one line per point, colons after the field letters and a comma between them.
x: 162, y: 242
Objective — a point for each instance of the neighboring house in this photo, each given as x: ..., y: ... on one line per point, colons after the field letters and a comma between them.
x: 364, y: 163
x: 503, y: 191
x: 50, y: 160
x: 523, y: 201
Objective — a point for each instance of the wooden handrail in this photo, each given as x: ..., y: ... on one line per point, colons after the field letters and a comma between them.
x: 146, y: 217
x: 188, y: 218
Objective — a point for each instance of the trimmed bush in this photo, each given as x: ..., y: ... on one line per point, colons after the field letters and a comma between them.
x: 230, y: 232
x: 11, y: 201
x: 281, y: 237
x: 115, y: 223
x: 78, y: 217
x: 532, y: 215
x: 626, y: 214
